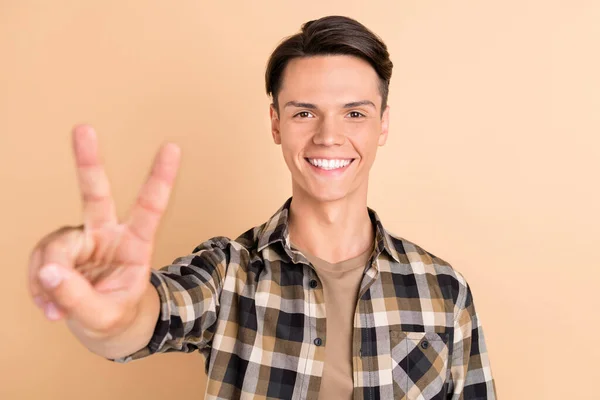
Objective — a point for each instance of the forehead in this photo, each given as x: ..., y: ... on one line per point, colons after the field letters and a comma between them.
x: 326, y: 79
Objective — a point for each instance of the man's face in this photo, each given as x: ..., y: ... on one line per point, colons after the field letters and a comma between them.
x: 329, y: 124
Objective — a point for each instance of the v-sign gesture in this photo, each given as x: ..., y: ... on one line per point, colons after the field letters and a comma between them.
x: 97, y: 275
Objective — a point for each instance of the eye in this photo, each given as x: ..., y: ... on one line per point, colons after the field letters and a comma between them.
x: 355, y: 114
x: 304, y: 114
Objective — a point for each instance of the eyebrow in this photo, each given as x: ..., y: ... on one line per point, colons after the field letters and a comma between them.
x: 314, y: 107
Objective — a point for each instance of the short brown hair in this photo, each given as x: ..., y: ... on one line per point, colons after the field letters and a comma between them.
x: 331, y: 35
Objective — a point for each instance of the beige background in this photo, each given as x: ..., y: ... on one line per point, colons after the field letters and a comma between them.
x: 492, y: 163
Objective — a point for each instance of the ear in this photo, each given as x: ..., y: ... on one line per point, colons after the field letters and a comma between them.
x: 275, y: 124
x: 385, y: 124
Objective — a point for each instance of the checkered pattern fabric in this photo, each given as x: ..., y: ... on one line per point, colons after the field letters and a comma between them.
x: 248, y: 305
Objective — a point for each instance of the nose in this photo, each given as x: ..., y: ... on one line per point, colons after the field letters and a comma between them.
x: 329, y: 133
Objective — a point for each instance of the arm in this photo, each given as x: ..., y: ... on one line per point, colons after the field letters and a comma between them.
x: 470, y: 366
x: 188, y: 302
x: 135, y: 337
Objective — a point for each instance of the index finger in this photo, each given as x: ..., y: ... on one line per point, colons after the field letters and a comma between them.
x: 98, y: 204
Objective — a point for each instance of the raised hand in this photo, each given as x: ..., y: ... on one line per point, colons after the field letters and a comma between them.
x: 95, y: 275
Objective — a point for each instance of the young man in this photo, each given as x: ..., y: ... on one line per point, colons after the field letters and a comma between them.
x: 318, y: 302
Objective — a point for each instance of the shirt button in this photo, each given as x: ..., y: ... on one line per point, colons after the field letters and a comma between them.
x: 313, y: 284
x: 424, y: 344
x: 318, y: 342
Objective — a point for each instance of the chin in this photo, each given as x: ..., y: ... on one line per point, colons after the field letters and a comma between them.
x: 327, y: 195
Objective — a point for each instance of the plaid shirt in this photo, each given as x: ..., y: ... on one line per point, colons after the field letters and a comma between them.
x: 255, y: 308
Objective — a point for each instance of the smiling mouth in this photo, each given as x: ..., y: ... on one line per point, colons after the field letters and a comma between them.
x: 330, y: 164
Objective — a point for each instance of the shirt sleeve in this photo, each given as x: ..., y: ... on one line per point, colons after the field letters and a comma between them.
x: 471, y: 374
x: 189, y: 291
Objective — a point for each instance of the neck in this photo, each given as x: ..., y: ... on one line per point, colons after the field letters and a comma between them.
x: 334, y: 230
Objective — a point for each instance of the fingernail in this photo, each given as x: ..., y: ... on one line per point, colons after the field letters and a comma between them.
x: 39, y: 301
x: 51, y: 276
x: 52, y: 312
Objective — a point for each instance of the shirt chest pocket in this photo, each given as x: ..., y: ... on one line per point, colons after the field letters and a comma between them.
x: 419, y: 364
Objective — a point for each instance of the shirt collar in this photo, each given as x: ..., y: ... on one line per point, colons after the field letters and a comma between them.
x: 276, y: 230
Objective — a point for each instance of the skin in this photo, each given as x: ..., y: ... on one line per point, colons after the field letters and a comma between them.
x: 330, y: 107
x: 96, y: 276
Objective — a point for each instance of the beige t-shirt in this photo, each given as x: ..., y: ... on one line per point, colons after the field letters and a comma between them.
x: 341, y: 282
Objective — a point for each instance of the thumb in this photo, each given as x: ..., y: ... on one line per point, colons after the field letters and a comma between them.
x: 69, y: 292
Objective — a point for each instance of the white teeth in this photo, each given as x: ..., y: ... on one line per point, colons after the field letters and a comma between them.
x: 329, y: 164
